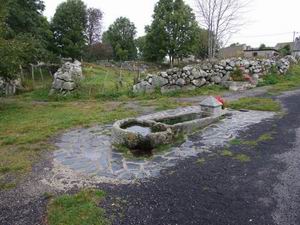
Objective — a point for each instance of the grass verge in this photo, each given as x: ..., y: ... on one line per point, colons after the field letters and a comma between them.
x: 78, y: 209
x: 259, y: 104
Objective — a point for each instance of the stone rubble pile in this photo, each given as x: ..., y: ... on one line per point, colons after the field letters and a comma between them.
x: 67, y: 78
x: 216, y: 72
x: 9, y: 86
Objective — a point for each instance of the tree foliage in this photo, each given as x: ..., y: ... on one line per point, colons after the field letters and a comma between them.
x: 24, y: 35
x: 285, y: 50
x: 120, y: 36
x: 172, y: 31
x: 99, y: 51
x: 69, y: 26
x: 201, y: 46
x: 94, y: 26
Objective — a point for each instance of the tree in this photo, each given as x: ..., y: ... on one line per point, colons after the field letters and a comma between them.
x: 285, y: 50
x: 23, y: 35
x: 221, y: 18
x: 120, y: 36
x: 200, y: 47
x: 69, y: 26
x: 141, y: 45
x: 172, y: 31
x: 99, y: 51
x: 24, y: 21
x: 94, y: 26
x: 262, y: 47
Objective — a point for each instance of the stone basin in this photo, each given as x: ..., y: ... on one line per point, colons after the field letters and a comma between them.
x: 190, y: 122
x: 140, y: 134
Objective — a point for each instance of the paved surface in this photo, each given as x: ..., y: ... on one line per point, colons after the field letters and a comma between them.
x: 224, y: 190
x: 89, y: 150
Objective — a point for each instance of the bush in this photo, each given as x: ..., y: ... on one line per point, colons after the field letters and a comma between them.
x: 237, y: 75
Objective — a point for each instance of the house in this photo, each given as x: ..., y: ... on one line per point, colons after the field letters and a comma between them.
x: 261, y: 53
x: 232, y: 51
x: 294, y: 46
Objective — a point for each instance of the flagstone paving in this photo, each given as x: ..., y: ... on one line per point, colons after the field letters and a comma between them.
x: 89, y: 151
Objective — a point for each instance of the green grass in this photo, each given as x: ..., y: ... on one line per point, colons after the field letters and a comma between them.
x: 280, y: 83
x: 26, y: 126
x: 260, y: 104
x: 79, y: 209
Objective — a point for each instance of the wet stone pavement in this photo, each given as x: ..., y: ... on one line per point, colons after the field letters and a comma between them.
x: 89, y: 151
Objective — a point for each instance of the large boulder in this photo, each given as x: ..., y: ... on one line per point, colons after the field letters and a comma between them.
x: 9, y: 86
x: 67, y: 78
x: 143, y: 87
x: 158, y: 81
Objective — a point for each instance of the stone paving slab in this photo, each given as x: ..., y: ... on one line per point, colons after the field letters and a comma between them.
x: 88, y: 151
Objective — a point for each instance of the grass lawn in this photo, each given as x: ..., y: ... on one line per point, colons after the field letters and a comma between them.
x: 79, y: 209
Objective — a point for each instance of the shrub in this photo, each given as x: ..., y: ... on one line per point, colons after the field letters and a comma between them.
x: 237, y: 75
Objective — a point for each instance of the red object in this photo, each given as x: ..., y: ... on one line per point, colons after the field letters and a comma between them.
x: 220, y: 99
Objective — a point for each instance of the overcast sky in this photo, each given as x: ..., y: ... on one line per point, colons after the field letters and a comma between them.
x: 269, y: 21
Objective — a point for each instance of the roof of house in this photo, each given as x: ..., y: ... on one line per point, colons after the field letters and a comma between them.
x: 210, y: 102
x: 261, y: 50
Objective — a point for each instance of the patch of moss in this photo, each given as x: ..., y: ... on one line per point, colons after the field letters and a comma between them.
x: 226, y: 153
x: 242, y: 158
x: 265, y: 137
x: 6, y: 186
x: 201, y: 161
x: 252, y: 143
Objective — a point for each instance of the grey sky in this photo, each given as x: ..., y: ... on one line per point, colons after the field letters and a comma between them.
x: 270, y: 21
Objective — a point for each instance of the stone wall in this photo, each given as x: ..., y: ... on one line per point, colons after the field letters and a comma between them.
x: 9, y: 87
x: 208, y: 73
x: 67, y: 78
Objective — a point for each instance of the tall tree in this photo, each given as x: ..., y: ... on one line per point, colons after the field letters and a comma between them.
x: 94, y: 26
x: 24, y: 35
x: 120, y: 36
x: 69, y: 27
x: 24, y: 17
x: 201, y: 47
x: 24, y: 21
x: 172, y: 31
x: 221, y: 18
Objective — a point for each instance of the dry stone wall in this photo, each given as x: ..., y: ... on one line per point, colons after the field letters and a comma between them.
x: 214, y: 72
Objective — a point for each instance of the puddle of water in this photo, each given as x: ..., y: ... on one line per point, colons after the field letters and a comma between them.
x: 144, y: 131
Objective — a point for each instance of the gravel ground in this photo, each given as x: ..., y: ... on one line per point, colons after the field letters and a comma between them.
x: 221, y: 190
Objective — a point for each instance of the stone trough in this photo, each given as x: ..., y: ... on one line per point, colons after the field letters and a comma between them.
x: 148, y: 133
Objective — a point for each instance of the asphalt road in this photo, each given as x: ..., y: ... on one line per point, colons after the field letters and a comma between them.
x: 223, y: 190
